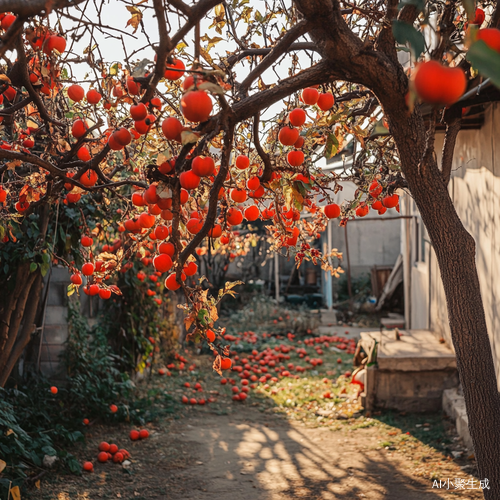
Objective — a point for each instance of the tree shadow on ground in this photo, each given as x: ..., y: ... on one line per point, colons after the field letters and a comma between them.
x: 251, y: 455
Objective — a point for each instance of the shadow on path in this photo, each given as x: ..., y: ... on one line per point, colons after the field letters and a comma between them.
x: 250, y: 455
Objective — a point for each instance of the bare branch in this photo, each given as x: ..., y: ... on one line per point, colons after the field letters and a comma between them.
x: 28, y: 8
x: 161, y: 53
x: 385, y: 41
x: 35, y: 96
x: 234, y: 58
x: 277, y: 51
x: 181, y: 6
x: 319, y: 73
x: 268, y: 167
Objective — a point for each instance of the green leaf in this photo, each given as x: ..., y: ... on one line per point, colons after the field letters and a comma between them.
x: 48, y: 450
x: 470, y: 8
x: 46, y: 258
x: 71, y: 290
x: 44, y: 269
x: 405, y: 33
x: 33, y: 267
x: 418, y: 4
x: 485, y: 60
x: 332, y: 146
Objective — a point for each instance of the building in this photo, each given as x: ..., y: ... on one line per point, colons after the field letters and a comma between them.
x: 475, y: 190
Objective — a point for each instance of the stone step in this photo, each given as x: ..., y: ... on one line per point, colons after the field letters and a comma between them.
x: 454, y: 406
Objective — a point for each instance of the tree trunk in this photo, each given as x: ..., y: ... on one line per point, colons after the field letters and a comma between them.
x: 20, y: 308
x: 9, y: 358
x: 456, y: 256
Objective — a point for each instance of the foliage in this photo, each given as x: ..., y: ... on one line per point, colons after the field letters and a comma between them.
x: 93, y: 368
x: 361, y: 288
x: 35, y: 423
x: 261, y: 315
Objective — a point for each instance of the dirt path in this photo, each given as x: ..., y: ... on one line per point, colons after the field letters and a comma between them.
x: 249, y: 455
x: 286, y: 441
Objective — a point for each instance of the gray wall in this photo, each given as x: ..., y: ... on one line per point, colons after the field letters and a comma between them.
x: 373, y: 240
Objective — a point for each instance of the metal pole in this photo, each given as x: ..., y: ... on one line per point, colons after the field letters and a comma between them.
x: 277, y: 277
x: 329, y: 291
x: 349, y: 284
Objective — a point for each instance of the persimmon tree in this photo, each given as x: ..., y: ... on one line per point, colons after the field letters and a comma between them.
x: 179, y: 150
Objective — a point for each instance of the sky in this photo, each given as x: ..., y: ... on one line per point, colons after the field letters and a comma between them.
x: 115, y: 15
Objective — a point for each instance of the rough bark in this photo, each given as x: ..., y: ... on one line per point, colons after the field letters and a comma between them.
x: 21, y: 307
x: 8, y: 310
x: 454, y: 246
x: 9, y: 358
x: 456, y: 255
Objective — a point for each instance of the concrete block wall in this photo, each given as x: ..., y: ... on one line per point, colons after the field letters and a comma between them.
x: 55, y: 331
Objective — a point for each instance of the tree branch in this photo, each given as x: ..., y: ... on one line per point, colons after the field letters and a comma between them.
x: 319, y: 73
x: 268, y: 167
x: 35, y: 96
x: 29, y: 8
x: 233, y: 59
x: 180, y: 6
x: 385, y: 41
x: 276, y: 52
x: 213, y: 197
x: 161, y: 54
x: 452, y: 129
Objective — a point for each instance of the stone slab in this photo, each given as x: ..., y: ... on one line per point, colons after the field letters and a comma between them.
x: 60, y: 275
x: 454, y: 406
x: 55, y: 334
x: 57, y: 294
x: 56, y: 315
x: 416, y: 351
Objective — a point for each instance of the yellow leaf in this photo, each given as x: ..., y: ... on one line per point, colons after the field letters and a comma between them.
x: 213, y: 314
x: 37, y: 484
x: 13, y: 164
x: 5, y: 78
x: 163, y: 157
x: 15, y: 493
x: 136, y: 17
x: 211, y: 87
x: 219, y: 10
x: 2, y: 465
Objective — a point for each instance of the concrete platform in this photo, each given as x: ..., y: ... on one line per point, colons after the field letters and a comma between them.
x: 410, y: 374
x: 416, y: 350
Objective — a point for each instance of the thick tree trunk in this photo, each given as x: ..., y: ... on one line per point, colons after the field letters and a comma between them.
x: 13, y: 351
x: 20, y: 308
x: 456, y: 255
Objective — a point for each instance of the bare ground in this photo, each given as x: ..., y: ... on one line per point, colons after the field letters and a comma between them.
x: 249, y: 454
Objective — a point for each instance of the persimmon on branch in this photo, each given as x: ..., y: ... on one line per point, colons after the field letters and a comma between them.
x: 171, y: 153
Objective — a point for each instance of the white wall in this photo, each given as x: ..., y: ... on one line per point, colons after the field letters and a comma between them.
x: 475, y: 190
